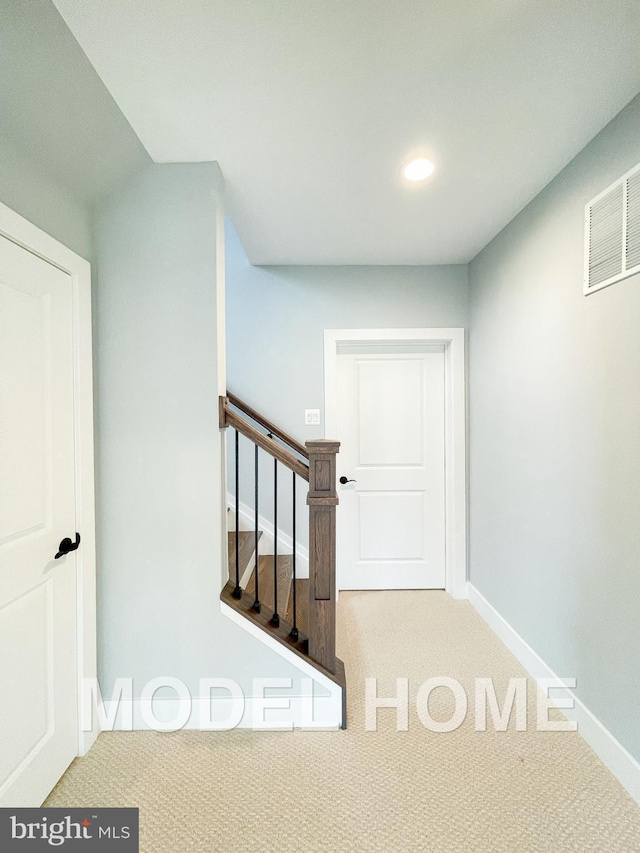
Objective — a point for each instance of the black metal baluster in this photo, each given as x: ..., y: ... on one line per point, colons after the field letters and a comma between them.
x: 237, y: 592
x: 294, y: 631
x: 256, y: 603
x: 275, y: 619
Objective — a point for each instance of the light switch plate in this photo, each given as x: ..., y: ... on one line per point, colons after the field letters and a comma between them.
x: 312, y: 417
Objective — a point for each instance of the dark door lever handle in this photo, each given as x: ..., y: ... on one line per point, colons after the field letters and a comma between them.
x: 66, y: 546
x: 344, y: 481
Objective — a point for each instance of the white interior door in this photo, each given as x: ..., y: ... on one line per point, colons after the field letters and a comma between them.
x: 391, y: 425
x: 38, y: 645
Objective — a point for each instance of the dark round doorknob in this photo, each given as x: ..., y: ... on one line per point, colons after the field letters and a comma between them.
x: 344, y: 481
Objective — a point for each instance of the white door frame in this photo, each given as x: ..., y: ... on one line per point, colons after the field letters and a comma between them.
x: 25, y: 234
x: 453, y: 341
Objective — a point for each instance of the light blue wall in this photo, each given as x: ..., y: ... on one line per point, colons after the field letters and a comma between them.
x: 32, y: 190
x: 276, y: 317
x: 555, y: 439
x: 64, y: 143
x: 158, y: 443
x: 56, y: 109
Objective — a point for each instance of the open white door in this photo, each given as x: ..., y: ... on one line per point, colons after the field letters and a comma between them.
x: 38, y: 623
x: 390, y: 416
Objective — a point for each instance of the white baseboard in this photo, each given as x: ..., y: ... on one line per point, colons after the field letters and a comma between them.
x: 312, y: 701
x: 265, y: 545
x: 128, y: 715
x: 612, y: 754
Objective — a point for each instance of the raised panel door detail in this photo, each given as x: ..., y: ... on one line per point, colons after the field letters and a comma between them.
x: 25, y: 412
x: 26, y: 656
x: 387, y: 386
x: 391, y: 526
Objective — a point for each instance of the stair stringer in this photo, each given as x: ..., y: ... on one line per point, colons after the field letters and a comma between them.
x: 321, y: 705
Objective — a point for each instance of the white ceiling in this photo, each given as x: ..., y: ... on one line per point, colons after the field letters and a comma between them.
x: 311, y: 106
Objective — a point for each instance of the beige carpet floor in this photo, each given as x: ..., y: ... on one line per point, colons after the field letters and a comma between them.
x: 384, y: 791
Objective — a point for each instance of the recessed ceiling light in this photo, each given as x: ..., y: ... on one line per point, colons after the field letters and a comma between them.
x: 418, y: 169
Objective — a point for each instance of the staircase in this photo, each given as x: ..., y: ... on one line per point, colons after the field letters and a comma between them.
x: 298, y: 613
x: 284, y: 563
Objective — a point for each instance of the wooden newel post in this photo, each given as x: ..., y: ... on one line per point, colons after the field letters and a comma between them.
x: 322, y: 501
x: 223, y: 402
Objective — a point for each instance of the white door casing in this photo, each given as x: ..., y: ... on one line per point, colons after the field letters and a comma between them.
x: 47, y: 606
x: 397, y: 404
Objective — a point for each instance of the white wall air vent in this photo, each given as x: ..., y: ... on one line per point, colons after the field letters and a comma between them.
x: 612, y: 233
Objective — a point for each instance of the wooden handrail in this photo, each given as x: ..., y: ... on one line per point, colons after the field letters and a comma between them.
x: 228, y: 417
x: 322, y: 500
x: 273, y: 429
